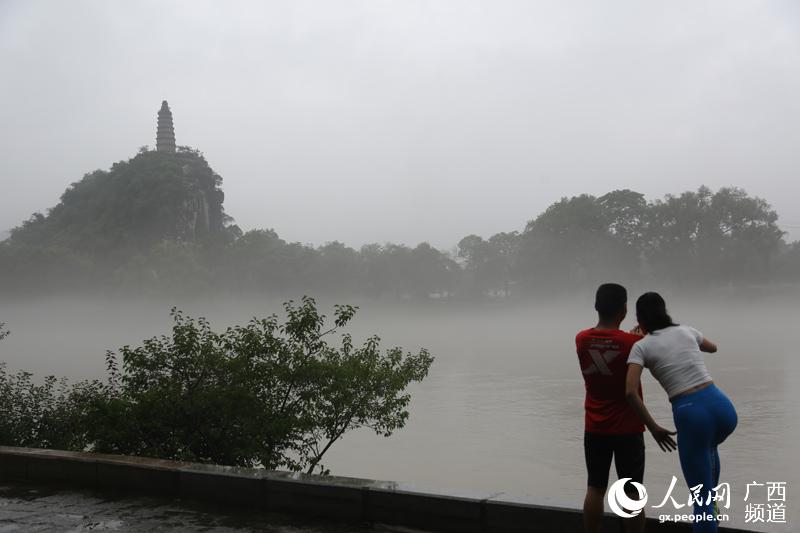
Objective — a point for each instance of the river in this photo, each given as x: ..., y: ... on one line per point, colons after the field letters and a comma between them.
x: 501, y: 410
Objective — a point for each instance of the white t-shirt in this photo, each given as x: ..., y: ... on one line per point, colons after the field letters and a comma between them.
x: 674, y: 358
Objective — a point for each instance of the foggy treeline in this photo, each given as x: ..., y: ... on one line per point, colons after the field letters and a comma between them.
x: 155, y: 223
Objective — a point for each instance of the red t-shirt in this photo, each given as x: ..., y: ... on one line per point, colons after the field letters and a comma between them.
x: 603, y: 356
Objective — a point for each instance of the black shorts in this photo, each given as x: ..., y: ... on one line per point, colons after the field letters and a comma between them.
x: 627, y: 450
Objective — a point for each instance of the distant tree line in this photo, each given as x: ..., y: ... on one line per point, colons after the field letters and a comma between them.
x: 156, y: 223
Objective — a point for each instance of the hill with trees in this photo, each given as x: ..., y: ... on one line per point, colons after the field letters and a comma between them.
x: 156, y: 223
x: 137, y: 203
x: 155, y: 203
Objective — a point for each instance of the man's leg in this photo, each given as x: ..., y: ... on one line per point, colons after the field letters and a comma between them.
x: 629, y: 461
x: 598, y: 453
x: 637, y: 523
x: 593, y: 509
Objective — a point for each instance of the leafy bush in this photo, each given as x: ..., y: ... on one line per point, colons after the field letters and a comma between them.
x: 52, y: 414
x: 269, y: 394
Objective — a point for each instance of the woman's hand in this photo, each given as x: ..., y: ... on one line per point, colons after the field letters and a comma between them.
x: 638, y: 331
x: 708, y: 346
x: 664, y: 439
x: 632, y: 383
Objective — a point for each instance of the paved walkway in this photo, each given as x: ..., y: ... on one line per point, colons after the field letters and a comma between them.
x: 37, y: 509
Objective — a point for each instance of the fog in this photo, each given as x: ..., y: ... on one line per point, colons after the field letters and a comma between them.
x: 473, y: 116
x: 407, y: 122
x: 502, y: 409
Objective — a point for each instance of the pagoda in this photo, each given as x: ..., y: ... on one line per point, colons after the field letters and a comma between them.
x: 165, y: 134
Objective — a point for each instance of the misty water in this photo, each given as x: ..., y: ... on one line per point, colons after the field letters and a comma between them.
x: 501, y: 410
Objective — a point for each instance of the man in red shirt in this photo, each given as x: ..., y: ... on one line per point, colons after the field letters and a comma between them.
x: 613, y: 429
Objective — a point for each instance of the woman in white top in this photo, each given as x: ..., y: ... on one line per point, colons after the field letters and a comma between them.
x: 703, y: 414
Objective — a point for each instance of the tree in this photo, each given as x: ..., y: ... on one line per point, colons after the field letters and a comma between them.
x: 707, y: 237
x: 51, y: 414
x: 335, y: 268
x: 431, y: 271
x: 267, y: 394
x: 788, y: 267
x: 489, y: 264
x: 577, y: 241
x: 504, y: 248
x: 389, y: 270
x: 626, y: 215
x: 260, y: 260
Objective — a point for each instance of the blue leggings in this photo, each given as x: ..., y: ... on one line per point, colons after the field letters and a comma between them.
x: 703, y: 419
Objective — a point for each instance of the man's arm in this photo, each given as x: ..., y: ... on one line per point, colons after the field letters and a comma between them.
x: 632, y: 383
x: 637, y: 330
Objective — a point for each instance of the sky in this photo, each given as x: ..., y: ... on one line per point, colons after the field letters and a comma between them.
x: 407, y: 120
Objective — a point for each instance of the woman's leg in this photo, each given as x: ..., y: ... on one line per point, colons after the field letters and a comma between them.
x: 696, y: 434
x: 716, y: 466
x: 725, y: 417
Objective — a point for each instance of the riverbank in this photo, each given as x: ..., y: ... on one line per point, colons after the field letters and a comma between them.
x: 363, y: 503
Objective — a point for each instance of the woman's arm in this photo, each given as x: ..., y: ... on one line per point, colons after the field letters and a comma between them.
x: 632, y: 383
x: 707, y: 346
x: 704, y: 344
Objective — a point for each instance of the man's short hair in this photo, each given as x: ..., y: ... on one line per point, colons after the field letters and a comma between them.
x: 610, y: 299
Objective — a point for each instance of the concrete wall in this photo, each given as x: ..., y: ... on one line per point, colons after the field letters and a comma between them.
x: 336, y: 498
